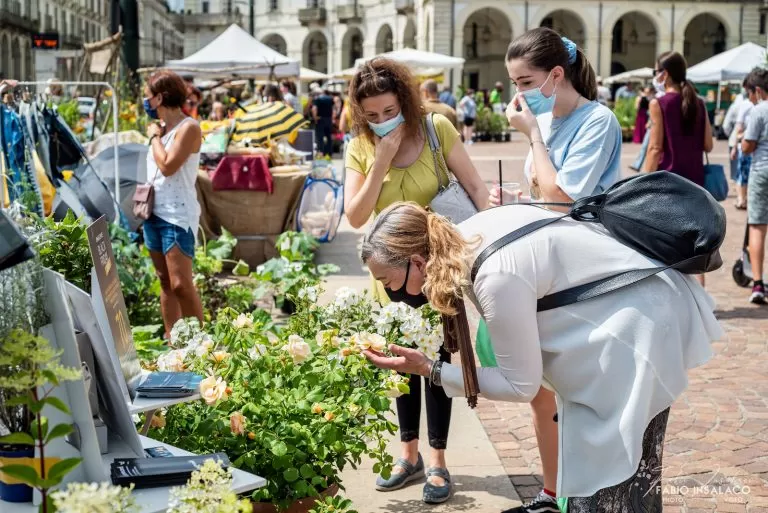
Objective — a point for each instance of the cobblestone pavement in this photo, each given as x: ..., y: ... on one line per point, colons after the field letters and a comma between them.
x: 716, y: 450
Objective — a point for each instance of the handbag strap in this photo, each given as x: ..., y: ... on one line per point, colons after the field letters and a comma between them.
x: 437, y: 152
x: 580, y: 292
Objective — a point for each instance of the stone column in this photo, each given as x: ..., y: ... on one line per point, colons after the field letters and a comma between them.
x: 605, y: 43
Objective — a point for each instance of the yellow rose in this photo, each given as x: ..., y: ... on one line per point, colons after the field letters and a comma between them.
x: 329, y: 416
x: 220, y: 356
x: 237, y: 423
x: 243, y: 321
x: 213, y: 389
x: 317, y: 409
x: 373, y: 341
x: 251, y: 435
x: 157, y: 421
x: 298, y: 349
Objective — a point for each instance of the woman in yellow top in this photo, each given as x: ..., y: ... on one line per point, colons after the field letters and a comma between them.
x: 388, y: 161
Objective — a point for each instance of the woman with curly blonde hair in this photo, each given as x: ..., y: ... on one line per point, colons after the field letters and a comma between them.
x: 615, y: 363
x: 388, y: 161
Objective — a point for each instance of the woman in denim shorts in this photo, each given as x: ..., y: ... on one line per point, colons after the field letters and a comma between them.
x: 172, y: 164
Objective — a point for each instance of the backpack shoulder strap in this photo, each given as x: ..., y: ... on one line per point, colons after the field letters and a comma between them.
x: 508, y: 239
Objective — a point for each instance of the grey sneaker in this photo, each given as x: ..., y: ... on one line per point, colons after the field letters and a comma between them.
x: 434, y: 494
x: 398, y: 480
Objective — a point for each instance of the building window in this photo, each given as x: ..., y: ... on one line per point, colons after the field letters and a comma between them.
x: 273, y: 5
x: 314, y: 4
x: 762, y: 23
x: 206, y: 7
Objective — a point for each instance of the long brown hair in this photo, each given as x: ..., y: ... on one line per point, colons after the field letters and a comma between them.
x: 543, y: 48
x: 406, y: 229
x: 379, y: 76
x: 676, y: 67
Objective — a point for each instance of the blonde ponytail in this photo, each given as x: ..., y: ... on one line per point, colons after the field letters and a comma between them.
x: 447, y: 271
x: 406, y: 229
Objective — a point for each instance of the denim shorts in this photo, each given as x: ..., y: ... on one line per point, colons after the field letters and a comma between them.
x: 161, y: 236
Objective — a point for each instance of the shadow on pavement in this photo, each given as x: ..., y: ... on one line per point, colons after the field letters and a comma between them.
x: 343, y: 251
x: 742, y: 313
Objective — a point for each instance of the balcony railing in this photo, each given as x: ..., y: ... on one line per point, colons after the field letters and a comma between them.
x: 312, y: 15
x: 349, y: 13
x: 11, y: 16
x: 199, y: 20
x: 72, y: 40
x: 404, y: 6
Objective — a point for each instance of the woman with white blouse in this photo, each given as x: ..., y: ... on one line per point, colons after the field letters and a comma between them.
x: 615, y: 363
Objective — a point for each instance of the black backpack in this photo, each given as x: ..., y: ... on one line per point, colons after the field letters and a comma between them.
x: 660, y: 215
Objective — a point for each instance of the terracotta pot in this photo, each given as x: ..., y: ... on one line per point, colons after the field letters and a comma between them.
x: 300, y: 506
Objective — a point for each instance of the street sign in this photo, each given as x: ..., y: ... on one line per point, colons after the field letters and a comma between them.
x: 45, y: 41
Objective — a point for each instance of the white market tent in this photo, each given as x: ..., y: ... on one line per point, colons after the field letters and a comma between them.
x: 418, y: 59
x: 310, y: 75
x: 733, y: 64
x: 635, y: 75
x: 240, y: 53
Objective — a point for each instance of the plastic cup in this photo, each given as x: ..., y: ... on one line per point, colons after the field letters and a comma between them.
x: 511, y: 192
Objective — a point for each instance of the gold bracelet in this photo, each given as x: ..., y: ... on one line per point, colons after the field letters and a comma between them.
x: 537, y: 141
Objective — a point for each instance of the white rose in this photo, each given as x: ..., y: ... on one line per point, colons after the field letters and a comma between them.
x: 213, y: 389
x: 298, y: 349
x: 309, y: 293
x: 372, y: 341
x: 257, y: 351
x: 205, y: 347
x: 172, y: 361
x: 243, y: 321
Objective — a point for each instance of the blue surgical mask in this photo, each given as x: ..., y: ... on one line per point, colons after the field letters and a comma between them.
x: 152, y: 113
x: 382, y: 129
x: 537, y: 102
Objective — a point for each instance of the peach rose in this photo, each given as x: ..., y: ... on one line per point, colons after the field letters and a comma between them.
x: 237, y: 423
x: 213, y: 389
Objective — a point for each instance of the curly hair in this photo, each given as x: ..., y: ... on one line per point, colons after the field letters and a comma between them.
x: 406, y: 229
x: 379, y: 76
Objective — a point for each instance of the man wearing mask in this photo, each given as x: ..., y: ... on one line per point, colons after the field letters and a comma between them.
x: 433, y: 104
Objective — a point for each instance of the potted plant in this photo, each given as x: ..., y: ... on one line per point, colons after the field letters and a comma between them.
x: 294, y: 406
x: 625, y: 111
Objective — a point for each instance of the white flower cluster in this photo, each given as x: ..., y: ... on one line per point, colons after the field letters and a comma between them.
x: 309, y: 293
x: 94, y: 498
x: 345, y: 299
x: 184, y: 330
x: 188, y: 339
x: 413, y: 329
x: 395, y: 385
x: 208, y: 491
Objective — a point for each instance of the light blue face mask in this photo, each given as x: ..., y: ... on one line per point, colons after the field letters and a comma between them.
x: 384, y: 128
x: 537, y: 102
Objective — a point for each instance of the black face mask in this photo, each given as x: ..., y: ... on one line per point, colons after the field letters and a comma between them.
x: 401, y: 295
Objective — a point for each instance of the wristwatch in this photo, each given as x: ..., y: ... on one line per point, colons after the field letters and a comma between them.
x: 435, y: 376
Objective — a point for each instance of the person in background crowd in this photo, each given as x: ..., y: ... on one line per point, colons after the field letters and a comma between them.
x: 468, y: 108
x: 641, y: 120
x: 433, y: 104
x: 755, y: 143
x: 637, y: 165
x: 322, y: 113
x: 272, y: 94
x: 194, y: 96
x: 575, y: 152
x: 626, y: 91
x: 288, y: 88
x: 603, y: 93
x: 616, y: 362
x: 496, y: 98
x: 743, y: 162
x: 680, y: 129
x: 447, y: 97
x: 345, y: 123
x: 729, y: 125
x: 172, y: 163
x: 390, y: 160
x: 218, y: 112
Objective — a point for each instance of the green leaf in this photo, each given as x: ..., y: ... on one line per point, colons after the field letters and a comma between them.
x: 306, y: 471
x: 51, y: 377
x: 62, y: 468
x: 58, y: 432
x: 23, y: 473
x: 279, y: 448
x: 43, y: 431
x: 241, y: 269
x: 291, y: 475
x: 18, y: 438
x: 57, y: 403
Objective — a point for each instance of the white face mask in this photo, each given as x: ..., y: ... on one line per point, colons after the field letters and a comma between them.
x: 659, y: 85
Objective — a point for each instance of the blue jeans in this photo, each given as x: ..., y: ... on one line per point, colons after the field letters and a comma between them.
x: 638, y: 163
x: 161, y: 236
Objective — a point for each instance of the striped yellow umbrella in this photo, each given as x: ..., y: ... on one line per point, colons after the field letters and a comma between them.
x: 268, y: 121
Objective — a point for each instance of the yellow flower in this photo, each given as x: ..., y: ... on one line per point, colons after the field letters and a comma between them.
x: 317, y: 409
x: 157, y: 421
x: 220, y: 356
x: 251, y: 435
x: 329, y: 416
x: 108, y: 93
x: 232, y: 100
x: 213, y: 389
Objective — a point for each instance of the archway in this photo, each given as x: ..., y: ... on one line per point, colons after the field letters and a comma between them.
x: 634, y: 42
x: 487, y: 34
x: 566, y: 23
x: 16, y: 58
x: 315, y: 52
x: 351, y: 47
x: 705, y: 36
x: 409, y: 34
x: 384, y: 42
x: 276, y: 42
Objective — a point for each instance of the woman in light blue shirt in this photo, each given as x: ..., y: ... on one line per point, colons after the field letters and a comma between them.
x: 575, y: 152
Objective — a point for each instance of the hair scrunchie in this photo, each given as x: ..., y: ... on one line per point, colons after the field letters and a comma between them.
x: 571, y: 48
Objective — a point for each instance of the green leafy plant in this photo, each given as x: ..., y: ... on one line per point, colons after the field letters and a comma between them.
x: 63, y: 247
x: 336, y: 504
x: 37, y: 373
x: 625, y: 111
x: 148, y: 342
x: 138, y: 280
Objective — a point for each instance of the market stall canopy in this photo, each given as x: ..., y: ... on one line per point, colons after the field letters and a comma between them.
x: 733, y: 64
x: 236, y: 50
x: 634, y: 75
x: 310, y: 75
x: 267, y: 121
x: 418, y: 59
